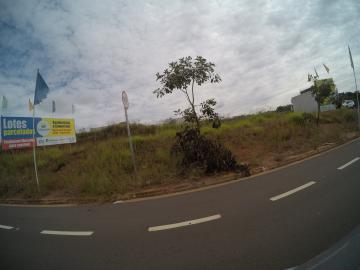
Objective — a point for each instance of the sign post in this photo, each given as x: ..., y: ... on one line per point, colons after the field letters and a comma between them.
x: 125, y: 101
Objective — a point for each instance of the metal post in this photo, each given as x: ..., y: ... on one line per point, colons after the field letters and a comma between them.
x: 130, y: 141
x: 357, y: 99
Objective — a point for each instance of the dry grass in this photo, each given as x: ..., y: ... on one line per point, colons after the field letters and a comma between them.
x: 100, y: 163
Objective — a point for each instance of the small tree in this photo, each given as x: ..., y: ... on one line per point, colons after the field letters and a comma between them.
x: 182, y: 75
x: 321, y: 90
x: 195, y: 148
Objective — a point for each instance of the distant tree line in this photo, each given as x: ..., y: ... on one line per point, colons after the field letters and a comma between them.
x: 285, y: 108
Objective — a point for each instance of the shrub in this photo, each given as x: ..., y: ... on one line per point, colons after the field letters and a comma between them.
x: 199, y: 151
x: 297, y: 119
x: 286, y: 108
x: 257, y: 130
x: 309, y: 118
x: 302, y: 119
x: 349, y: 116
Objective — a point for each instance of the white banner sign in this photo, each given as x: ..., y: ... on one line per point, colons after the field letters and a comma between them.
x: 55, y: 140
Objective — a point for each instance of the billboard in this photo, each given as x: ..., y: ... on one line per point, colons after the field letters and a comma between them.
x: 17, y: 132
x: 50, y: 131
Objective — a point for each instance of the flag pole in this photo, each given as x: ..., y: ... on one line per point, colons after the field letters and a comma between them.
x: 356, y: 88
x: 34, y: 147
x: 34, y: 152
x: 357, y: 99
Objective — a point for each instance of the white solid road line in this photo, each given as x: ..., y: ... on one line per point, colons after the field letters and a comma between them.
x: 278, y: 197
x: 117, y: 202
x: 71, y: 233
x: 349, y: 163
x: 6, y: 227
x: 184, y: 223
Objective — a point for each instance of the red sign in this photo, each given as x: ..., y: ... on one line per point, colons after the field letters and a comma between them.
x: 17, y: 144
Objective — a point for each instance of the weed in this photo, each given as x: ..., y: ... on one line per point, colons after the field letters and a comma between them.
x: 104, y: 167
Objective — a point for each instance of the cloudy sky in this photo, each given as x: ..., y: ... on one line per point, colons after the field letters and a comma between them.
x: 89, y: 51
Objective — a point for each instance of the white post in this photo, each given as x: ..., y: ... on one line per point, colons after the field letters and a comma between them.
x: 34, y: 152
x: 130, y: 141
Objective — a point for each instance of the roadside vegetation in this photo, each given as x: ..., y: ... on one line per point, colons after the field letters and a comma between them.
x: 99, y: 164
x: 195, y: 149
x: 322, y: 91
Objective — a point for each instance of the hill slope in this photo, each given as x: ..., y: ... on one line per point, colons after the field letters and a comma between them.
x: 99, y: 165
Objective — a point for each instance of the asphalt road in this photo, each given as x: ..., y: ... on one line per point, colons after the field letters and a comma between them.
x: 306, y: 215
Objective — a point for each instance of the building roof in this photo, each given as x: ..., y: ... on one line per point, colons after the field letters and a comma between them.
x: 306, y: 90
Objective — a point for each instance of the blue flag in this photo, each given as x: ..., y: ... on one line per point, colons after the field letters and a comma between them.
x: 41, y: 89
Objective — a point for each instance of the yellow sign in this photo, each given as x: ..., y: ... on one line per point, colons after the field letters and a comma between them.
x: 52, y: 131
x: 56, y: 127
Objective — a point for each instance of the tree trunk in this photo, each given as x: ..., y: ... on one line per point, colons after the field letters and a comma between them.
x: 196, y: 117
x: 318, y: 115
x: 193, y: 108
x: 193, y: 105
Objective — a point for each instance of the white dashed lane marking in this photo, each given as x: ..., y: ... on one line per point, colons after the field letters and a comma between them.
x: 184, y: 223
x: 117, y: 202
x: 67, y: 233
x: 290, y: 192
x: 349, y: 163
x: 5, y: 227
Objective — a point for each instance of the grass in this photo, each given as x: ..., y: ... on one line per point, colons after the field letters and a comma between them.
x: 100, y: 165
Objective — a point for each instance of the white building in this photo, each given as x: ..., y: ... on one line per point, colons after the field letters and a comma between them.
x: 305, y: 102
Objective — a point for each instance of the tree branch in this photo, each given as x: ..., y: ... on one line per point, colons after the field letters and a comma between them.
x: 193, y: 108
x: 192, y: 91
x: 188, y: 98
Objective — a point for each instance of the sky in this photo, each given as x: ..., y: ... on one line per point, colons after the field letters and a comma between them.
x: 88, y: 52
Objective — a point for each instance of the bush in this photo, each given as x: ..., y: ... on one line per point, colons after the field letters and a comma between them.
x: 286, y: 108
x: 349, y: 116
x: 309, y: 118
x: 302, y: 119
x: 297, y: 119
x: 199, y: 151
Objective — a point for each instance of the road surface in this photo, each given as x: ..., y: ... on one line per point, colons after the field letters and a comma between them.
x: 303, y: 216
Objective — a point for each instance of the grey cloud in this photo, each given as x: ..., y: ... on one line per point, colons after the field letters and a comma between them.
x: 89, y: 52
